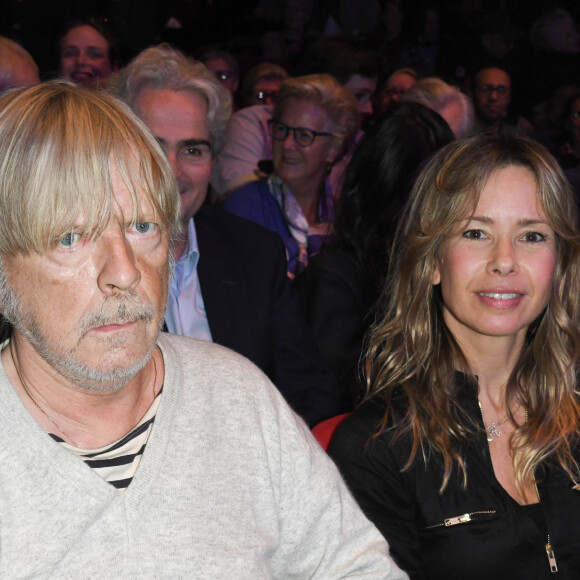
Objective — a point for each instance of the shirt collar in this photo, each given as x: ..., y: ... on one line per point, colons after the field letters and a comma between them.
x: 190, y: 257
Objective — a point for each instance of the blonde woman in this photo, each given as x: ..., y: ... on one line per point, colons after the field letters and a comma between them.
x: 465, y: 453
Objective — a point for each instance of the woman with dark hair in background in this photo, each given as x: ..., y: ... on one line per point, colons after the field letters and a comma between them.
x: 339, y: 288
x: 465, y: 453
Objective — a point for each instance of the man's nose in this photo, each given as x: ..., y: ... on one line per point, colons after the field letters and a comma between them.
x: 117, y: 267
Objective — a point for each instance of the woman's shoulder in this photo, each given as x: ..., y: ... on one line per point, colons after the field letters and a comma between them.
x: 257, y: 186
x: 253, y: 201
x: 366, y: 430
x: 256, y: 189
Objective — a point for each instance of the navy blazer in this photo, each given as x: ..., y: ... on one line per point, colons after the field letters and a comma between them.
x: 252, y: 309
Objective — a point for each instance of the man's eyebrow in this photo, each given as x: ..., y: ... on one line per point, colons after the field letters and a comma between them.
x: 194, y: 142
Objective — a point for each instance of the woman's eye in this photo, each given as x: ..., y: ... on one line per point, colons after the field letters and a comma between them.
x: 70, y: 52
x: 144, y: 227
x: 95, y: 54
x: 69, y: 240
x: 534, y: 237
x: 474, y: 235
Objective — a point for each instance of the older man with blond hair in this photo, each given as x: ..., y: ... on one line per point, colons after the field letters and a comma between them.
x: 126, y: 452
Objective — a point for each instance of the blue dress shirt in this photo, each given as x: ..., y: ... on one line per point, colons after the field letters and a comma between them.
x: 185, y: 313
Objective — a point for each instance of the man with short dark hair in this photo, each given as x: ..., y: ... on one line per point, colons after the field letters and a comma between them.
x: 125, y: 452
x: 491, y: 93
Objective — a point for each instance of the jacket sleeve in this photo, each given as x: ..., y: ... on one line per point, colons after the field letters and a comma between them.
x: 372, y: 470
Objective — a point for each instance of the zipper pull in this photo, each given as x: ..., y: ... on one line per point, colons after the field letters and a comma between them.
x: 458, y: 520
x: 551, y: 558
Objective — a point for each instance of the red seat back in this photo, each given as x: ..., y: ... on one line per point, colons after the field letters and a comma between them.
x: 325, y: 430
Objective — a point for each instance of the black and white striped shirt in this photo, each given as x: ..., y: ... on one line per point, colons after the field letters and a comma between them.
x: 117, y: 463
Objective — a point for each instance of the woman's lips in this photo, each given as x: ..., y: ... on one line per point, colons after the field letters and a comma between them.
x: 501, y: 300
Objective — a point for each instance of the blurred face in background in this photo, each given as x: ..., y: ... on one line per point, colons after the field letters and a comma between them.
x: 265, y: 91
x: 363, y: 89
x: 563, y: 32
x: 84, y: 57
x: 223, y: 73
x: 394, y: 88
x: 492, y: 94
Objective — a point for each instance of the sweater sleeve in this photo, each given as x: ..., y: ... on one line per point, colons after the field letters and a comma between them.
x: 325, y: 534
x: 373, y: 470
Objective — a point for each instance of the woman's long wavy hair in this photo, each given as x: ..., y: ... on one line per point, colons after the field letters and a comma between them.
x: 411, y: 348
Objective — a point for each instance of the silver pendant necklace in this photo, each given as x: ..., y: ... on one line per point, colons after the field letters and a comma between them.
x: 492, y: 430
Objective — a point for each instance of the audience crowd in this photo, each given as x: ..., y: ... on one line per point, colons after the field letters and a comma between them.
x: 301, y: 138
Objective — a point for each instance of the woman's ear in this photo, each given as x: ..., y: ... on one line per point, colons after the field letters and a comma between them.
x: 335, y: 151
x: 436, y: 279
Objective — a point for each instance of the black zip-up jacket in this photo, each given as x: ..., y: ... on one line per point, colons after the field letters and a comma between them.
x: 476, y: 533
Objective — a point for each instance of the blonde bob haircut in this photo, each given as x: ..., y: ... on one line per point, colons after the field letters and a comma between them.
x: 58, y: 145
x: 325, y: 92
x: 413, y: 354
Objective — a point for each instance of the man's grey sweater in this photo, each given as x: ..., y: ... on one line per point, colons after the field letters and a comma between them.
x: 231, y: 485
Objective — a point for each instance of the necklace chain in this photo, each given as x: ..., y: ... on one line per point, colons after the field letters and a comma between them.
x: 27, y: 391
x: 493, y: 432
x: 492, y: 429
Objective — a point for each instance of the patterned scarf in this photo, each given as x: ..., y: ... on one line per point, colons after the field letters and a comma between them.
x: 294, y: 217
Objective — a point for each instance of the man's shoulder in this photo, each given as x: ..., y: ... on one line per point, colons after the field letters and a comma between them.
x: 210, y: 377
x: 192, y: 349
x: 205, y: 360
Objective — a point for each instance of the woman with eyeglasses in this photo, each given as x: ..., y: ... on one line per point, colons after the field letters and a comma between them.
x: 315, y: 120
